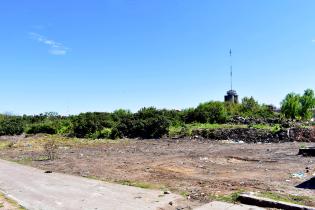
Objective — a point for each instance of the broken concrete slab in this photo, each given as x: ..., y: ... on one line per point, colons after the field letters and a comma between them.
x: 309, y: 184
x: 218, y: 205
x: 308, y: 151
x: 269, y: 203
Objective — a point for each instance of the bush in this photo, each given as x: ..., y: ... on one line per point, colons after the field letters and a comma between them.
x: 179, y: 131
x: 11, y: 126
x: 64, y: 127
x: 41, y: 128
x: 103, y: 134
x: 146, y: 123
x: 85, y: 125
x: 211, y: 112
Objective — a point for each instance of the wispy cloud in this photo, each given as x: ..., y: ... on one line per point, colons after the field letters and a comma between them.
x: 313, y: 40
x: 55, y: 48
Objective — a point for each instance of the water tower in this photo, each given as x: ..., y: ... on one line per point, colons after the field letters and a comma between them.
x: 231, y: 95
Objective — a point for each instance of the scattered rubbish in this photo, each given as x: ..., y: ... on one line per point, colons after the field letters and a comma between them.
x: 203, y: 158
x: 298, y: 175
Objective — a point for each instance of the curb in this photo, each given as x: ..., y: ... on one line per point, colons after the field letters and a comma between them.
x: 266, y: 202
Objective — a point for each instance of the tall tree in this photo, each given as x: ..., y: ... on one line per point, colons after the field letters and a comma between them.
x: 291, y: 106
x: 307, y: 104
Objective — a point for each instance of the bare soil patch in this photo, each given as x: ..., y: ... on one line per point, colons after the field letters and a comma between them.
x: 200, y: 170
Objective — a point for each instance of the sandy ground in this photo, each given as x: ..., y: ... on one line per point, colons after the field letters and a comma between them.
x: 197, y: 169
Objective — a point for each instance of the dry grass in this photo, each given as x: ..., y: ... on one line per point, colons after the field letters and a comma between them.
x: 9, y: 204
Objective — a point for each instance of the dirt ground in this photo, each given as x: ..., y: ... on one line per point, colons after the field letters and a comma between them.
x: 200, y: 170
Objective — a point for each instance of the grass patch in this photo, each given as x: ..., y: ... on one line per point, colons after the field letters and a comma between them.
x: 272, y: 128
x: 6, y: 144
x: 296, y: 199
x: 184, y: 194
x: 231, y: 198
x: 143, y: 185
x: 186, y: 130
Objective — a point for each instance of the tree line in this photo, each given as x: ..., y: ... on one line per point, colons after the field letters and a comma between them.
x: 151, y: 122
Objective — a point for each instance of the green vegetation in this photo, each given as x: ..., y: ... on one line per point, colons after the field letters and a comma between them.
x: 151, y: 123
x: 272, y: 128
x: 184, y: 194
x: 301, y: 200
x: 298, y: 107
x: 143, y: 185
x: 232, y: 198
x: 187, y: 129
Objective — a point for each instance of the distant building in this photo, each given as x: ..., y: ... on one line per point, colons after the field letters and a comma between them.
x: 231, y: 96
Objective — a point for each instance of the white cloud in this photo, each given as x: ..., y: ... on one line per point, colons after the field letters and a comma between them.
x: 56, y: 48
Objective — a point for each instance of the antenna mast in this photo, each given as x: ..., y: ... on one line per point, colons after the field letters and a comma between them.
x: 231, y: 69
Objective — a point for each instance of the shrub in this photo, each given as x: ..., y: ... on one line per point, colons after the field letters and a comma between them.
x: 146, y: 123
x: 11, y: 126
x: 41, y: 128
x: 64, y: 127
x: 249, y: 106
x: 211, y: 112
x: 86, y: 124
x: 179, y: 131
x: 103, y: 134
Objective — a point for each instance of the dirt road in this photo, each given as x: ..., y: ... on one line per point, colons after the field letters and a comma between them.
x: 34, y: 189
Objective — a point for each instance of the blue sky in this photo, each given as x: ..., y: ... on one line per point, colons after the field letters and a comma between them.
x: 100, y: 55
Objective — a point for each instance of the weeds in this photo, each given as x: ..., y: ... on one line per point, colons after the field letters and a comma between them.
x: 10, y: 201
x: 272, y: 128
x: 50, y: 148
x: 232, y: 198
x: 143, y: 185
x: 296, y: 199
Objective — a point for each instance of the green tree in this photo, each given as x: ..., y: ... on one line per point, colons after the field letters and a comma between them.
x: 295, y: 106
x: 249, y: 106
x: 291, y: 106
x: 307, y: 101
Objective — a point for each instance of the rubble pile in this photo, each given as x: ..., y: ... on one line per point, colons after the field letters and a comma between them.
x: 253, y: 135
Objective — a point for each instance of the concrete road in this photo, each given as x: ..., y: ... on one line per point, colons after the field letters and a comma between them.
x: 34, y: 189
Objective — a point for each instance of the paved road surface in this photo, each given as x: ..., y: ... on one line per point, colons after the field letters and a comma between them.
x: 34, y: 189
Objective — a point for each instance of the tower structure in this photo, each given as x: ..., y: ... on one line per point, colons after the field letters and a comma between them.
x: 231, y: 95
